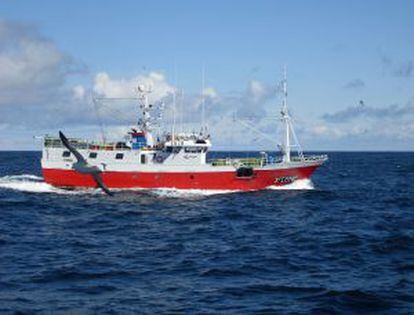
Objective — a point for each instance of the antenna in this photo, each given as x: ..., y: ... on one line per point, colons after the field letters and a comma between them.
x: 174, y: 104
x: 145, y: 121
x: 285, y: 89
x: 95, y: 105
x: 173, y: 124
x: 203, y: 123
x: 181, y: 110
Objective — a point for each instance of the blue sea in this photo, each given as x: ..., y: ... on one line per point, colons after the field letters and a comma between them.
x: 341, y: 244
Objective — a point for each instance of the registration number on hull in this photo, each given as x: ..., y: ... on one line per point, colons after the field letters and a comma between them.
x: 286, y: 179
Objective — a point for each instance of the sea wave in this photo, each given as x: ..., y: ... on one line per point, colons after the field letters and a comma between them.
x: 345, y: 247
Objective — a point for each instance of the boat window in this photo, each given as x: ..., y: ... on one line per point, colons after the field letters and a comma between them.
x: 143, y: 159
x: 93, y: 155
x: 121, y: 145
x: 119, y: 156
x: 193, y: 150
x: 173, y: 149
x: 66, y: 154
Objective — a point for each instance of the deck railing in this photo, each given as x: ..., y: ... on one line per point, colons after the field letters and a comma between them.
x: 309, y: 158
x: 50, y: 142
x: 257, y: 162
x: 253, y: 162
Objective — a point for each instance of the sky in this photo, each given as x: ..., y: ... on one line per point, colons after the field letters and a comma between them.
x: 350, y: 68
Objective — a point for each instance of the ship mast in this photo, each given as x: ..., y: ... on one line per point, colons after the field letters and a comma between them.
x: 286, y: 118
x: 289, y: 131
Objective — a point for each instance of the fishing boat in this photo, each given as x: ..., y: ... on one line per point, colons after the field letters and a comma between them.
x: 170, y: 160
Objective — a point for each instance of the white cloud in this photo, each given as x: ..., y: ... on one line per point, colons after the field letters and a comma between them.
x: 34, y: 93
x: 319, y: 130
x: 210, y: 92
x: 365, y: 127
x: 335, y: 132
x: 257, y: 90
x: 109, y: 87
x: 78, y: 93
x: 30, y: 66
x: 33, y: 73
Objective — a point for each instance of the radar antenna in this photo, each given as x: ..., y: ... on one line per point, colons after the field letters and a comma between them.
x: 145, y: 121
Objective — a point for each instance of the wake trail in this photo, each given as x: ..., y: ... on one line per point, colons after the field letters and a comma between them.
x: 35, y: 184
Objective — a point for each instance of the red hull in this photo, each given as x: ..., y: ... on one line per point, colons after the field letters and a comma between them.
x: 197, y: 180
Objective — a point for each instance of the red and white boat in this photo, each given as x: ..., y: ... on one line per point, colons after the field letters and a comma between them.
x: 174, y: 160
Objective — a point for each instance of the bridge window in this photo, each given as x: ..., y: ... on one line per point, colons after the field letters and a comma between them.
x: 66, y: 154
x: 193, y: 150
x: 174, y: 150
x: 121, y: 145
x: 119, y: 156
x: 143, y: 159
x: 93, y: 155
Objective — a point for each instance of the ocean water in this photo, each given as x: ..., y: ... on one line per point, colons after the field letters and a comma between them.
x: 341, y: 244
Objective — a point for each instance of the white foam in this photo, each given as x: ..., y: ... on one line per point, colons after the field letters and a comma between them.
x: 188, y: 193
x: 33, y: 183
x: 300, y: 184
